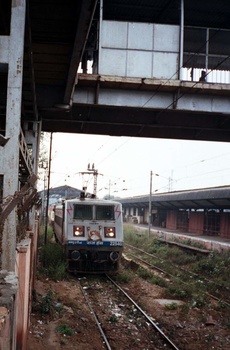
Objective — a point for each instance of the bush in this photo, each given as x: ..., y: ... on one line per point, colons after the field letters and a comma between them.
x: 179, y: 291
x: 144, y: 273
x: 63, y: 329
x: 53, y: 262
x: 124, y: 276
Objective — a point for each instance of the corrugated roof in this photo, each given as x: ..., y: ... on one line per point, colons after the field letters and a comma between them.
x: 207, y: 198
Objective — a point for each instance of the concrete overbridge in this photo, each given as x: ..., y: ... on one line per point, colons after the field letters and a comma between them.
x: 139, y: 107
x: 139, y: 62
x: 137, y: 84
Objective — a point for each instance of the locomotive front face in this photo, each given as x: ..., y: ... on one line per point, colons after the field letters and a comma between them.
x: 94, y: 236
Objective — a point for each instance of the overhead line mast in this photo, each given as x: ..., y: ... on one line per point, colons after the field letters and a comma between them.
x: 94, y: 172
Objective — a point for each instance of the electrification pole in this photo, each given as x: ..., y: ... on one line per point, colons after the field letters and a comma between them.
x: 94, y: 172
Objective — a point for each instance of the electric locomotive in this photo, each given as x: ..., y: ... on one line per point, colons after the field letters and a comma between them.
x: 91, y: 233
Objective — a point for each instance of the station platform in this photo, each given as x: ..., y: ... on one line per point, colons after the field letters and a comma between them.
x: 211, y: 243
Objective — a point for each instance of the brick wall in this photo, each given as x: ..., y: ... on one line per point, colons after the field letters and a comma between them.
x: 15, y: 295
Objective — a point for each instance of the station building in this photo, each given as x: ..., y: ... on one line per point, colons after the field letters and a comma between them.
x: 202, y: 212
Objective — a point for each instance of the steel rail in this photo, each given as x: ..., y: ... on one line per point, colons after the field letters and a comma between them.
x: 182, y: 269
x: 96, y: 319
x: 152, y: 266
x: 144, y: 313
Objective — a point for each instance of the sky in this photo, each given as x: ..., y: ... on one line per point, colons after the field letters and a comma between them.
x: 124, y: 164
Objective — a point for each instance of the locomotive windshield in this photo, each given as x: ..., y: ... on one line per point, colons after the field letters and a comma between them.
x: 83, y: 212
x: 105, y: 212
x: 90, y: 212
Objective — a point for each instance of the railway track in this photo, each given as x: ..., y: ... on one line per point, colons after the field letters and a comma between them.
x: 120, y: 320
x: 217, y: 296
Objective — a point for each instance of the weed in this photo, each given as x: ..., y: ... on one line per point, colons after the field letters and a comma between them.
x: 158, y: 281
x: 124, y: 276
x: 185, y: 309
x: 144, y: 273
x: 210, y: 337
x: 53, y: 263
x: 47, y: 303
x: 172, y: 306
x: 113, y: 319
x: 132, y: 236
x: 63, y: 341
x: 228, y: 323
x: 179, y: 291
x: 63, y: 329
x: 222, y: 305
x: 50, y: 234
x: 199, y: 300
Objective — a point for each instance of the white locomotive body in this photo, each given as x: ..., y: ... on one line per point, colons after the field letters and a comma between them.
x: 91, y: 232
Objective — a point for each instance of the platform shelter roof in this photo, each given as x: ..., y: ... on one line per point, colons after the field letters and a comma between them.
x: 205, y: 198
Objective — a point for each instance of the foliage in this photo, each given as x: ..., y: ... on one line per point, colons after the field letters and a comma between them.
x: 134, y: 236
x: 199, y: 300
x: 47, y: 303
x: 49, y: 237
x: 179, y: 291
x: 63, y: 329
x: 124, y: 276
x: 144, y: 273
x: 53, y: 262
x: 172, y: 306
x: 113, y: 319
x: 158, y: 281
x: 215, y: 265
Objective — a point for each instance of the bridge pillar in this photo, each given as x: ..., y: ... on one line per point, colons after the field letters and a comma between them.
x: 9, y: 167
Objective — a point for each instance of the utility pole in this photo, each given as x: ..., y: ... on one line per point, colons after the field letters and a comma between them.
x: 150, y: 200
x: 94, y: 172
x: 48, y: 188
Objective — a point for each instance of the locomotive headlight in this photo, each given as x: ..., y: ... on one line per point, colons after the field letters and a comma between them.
x: 78, y: 231
x: 110, y: 232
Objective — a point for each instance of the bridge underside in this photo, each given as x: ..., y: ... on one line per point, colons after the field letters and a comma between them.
x: 56, y: 36
x: 117, y: 121
x: 144, y: 108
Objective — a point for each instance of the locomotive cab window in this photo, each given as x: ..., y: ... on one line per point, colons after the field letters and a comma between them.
x: 105, y: 212
x: 83, y: 212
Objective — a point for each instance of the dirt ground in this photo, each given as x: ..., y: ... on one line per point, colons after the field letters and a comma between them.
x: 190, y: 329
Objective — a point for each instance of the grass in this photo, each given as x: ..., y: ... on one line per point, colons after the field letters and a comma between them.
x: 172, y: 306
x: 47, y: 303
x: 50, y: 234
x: 134, y: 236
x: 63, y: 329
x: 124, y: 276
x: 193, y: 289
x: 52, y: 260
x: 53, y: 264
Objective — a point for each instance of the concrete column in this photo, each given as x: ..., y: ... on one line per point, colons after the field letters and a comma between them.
x: 13, y: 119
x: 196, y: 222
x: 23, y: 265
x: 171, y: 220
